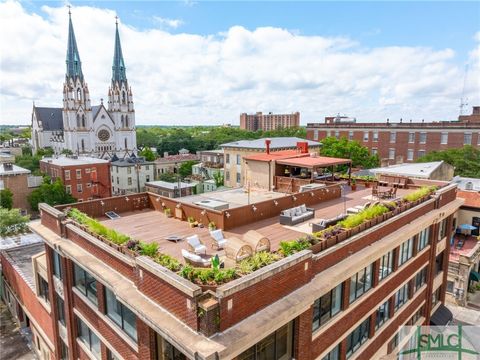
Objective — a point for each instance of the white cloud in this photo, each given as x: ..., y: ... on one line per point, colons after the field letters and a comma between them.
x: 169, y: 23
x: 192, y: 79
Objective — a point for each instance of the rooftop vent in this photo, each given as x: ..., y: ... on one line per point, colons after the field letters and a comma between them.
x: 8, y: 166
x: 469, y: 185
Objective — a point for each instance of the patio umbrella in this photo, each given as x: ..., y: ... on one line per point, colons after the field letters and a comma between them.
x: 467, y: 227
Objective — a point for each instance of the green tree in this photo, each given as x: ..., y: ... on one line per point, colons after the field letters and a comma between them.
x: 12, y: 222
x: 218, y: 178
x: 67, y: 152
x: 466, y: 160
x: 168, y: 177
x: 26, y: 133
x: 347, y: 149
x: 148, y: 154
x: 52, y: 193
x: 6, y: 198
x: 185, y: 168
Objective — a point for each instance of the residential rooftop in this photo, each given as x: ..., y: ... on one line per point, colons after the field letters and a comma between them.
x: 169, y: 185
x: 12, y: 169
x: 73, y: 160
x: 472, y: 198
x: 10, y: 242
x: 127, y: 162
x: 276, y: 143
x: 466, y: 183
x: 177, y: 158
x: 463, y: 246
x: 417, y: 170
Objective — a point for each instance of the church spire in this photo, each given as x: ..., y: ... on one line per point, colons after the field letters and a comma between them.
x: 118, y: 68
x: 74, y: 65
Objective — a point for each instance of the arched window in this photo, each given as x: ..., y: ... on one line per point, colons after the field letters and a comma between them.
x: 83, y: 120
x: 126, y: 147
x: 124, y: 98
x: 122, y: 121
x: 79, y: 94
x: 83, y: 145
x: 126, y: 121
x: 78, y: 120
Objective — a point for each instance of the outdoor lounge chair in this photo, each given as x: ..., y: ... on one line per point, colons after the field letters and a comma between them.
x: 195, y: 260
x: 237, y: 250
x: 196, y: 245
x: 257, y: 241
x: 218, y: 240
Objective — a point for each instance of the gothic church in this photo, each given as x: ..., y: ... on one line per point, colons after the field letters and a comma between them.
x: 80, y: 127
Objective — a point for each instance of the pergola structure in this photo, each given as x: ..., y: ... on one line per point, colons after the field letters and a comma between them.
x: 311, y: 165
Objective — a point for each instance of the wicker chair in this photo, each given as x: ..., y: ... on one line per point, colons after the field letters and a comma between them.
x: 237, y: 250
x: 257, y: 241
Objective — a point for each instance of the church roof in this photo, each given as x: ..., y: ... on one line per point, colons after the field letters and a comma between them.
x: 118, y: 67
x: 74, y: 65
x: 51, y: 118
x: 95, y: 110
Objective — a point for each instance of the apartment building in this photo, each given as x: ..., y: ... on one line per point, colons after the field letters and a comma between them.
x: 270, y: 121
x: 170, y: 163
x: 236, y: 152
x: 86, y: 178
x: 130, y: 174
x: 405, y: 141
x: 344, y: 297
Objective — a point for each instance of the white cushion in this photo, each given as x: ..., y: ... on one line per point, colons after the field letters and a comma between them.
x: 190, y: 256
x: 303, y: 208
x: 286, y: 212
x: 217, y: 235
x: 194, y: 240
x: 298, y: 211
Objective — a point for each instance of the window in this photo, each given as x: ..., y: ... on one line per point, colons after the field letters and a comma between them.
x: 79, y: 173
x: 350, y: 135
x: 327, y: 307
x: 238, y: 178
x: 382, y: 315
x: 420, y: 279
x: 68, y: 189
x: 439, y: 264
x: 436, y: 296
x: 79, y: 188
x: 423, y: 138
x: 129, y: 170
x: 375, y: 136
x: 450, y: 287
x: 89, y: 338
x: 64, y: 349
x: 357, y: 337
x: 444, y: 138
x: 365, y: 136
x: 227, y: 176
x: 57, y: 265
x: 85, y: 283
x: 129, y: 181
x: 393, y: 137
x: 111, y: 356
x: 410, y: 154
x: 337, y: 134
x: 360, y: 283
x: 60, y: 309
x: 118, y: 180
x: 67, y: 174
x: 334, y: 354
x: 239, y: 160
x: 391, y: 154
x: 405, y: 252
x: 467, y: 138
x: 167, y: 351
x: 386, y: 265
x: 276, y: 346
x: 411, y: 137
x: 147, y: 178
x: 227, y: 158
x: 42, y: 288
x: 421, y: 153
x: 147, y: 167
x: 442, y: 229
x: 374, y: 151
x: 120, y: 314
x: 401, y: 297
x: 423, y: 239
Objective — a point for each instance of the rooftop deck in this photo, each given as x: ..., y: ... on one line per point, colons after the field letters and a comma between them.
x: 465, y: 249
x: 153, y: 226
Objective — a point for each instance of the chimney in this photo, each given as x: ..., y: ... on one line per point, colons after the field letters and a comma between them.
x: 7, y: 166
x: 303, y: 147
x: 267, y: 145
x: 165, y: 154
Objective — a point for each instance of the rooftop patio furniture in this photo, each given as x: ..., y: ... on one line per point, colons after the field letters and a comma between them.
x: 257, y: 241
x: 196, y: 260
x: 218, y: 240
x: 174, y: 238
x: 237, y: 250
x: 325, y: 223
x: 196, y: 245
x: 296, y: 215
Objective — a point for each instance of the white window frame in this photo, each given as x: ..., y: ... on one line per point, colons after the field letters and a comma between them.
x: 67, y: 174
x: 411, y: 137
x: 393, y: 136
x: 423, y: 140
x: 366, y: 136
x: 442, y: 142
x: 410, y: 154
x: 390, y: 156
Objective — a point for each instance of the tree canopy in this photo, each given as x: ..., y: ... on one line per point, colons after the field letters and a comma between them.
x: 52, y: 193
x: 6, y: 198
x: 466, y: 160
x: 349, y: 149
x: 148, y: 154
x: 185, y: 168
x: 12, y: 222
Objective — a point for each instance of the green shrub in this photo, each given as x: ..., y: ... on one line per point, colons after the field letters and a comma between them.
x: 288, y: 248
x: 420, y: 193
x: 257, y: 261
x: 367, y: 214
x: 208, y: 276
x: 149, y: 249
x: 167, y: 261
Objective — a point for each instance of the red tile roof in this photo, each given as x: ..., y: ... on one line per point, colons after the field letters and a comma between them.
x: 472, y: 198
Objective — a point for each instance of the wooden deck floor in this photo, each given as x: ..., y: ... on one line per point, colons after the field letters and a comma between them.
x: 153, y: 226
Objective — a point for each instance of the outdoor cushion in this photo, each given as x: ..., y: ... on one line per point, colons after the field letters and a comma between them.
x: 217, y: 235
x: 286, y: 212
x: 303, y: 208
x: 298, y: 211
x: 193, y: 257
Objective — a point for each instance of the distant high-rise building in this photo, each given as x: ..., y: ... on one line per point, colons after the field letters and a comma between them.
x: 269, y: 121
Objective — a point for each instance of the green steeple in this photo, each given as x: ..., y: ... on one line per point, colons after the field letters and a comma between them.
x: 74, y: 65
x: 118, y: 68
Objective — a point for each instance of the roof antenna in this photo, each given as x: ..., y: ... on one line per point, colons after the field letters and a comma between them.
x: 69, y: 12
x: 116, y: 20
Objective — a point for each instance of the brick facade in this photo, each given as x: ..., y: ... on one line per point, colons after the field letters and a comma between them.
x: 268, y: 121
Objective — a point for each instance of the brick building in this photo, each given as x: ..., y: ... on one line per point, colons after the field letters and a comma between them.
x: 403, y: 141
x: 344, y: 297
x: 259, y: 121
x: 86, y: 178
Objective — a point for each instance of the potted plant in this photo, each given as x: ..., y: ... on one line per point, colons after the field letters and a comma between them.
x: 168, y: 212
x: 212, y: 226
x: 353, y: 184
x: 191, y: 221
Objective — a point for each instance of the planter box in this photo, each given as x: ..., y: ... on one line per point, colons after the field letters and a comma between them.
x: 318, y: 247
x: 331, y: 241
x: 342, y: 236
x: 355, y: 230
x: 208, y: 287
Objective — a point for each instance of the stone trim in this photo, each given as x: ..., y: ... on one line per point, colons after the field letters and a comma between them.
x: 51, y: 210
x: 168, y: 276
x: 261, y: 274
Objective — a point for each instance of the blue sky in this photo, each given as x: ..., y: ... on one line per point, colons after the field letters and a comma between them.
x: 194, y: 62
